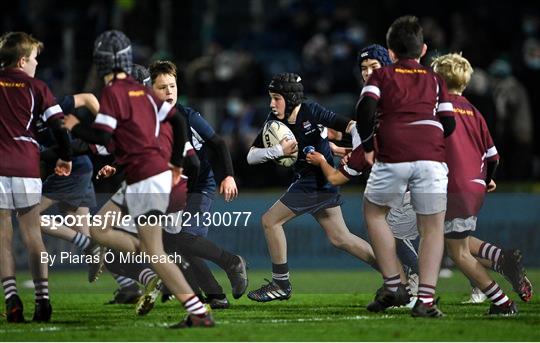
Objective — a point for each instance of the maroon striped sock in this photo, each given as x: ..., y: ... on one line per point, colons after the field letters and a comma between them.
x: 194, y: 306
x: 496, y: 295
x: 392, y: 283
x: 426, y: 294
x: 42, y: 289
x: 492, y: 253
x: 10, y: 286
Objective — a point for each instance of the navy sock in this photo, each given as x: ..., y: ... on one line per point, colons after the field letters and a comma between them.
x: 280, y: 274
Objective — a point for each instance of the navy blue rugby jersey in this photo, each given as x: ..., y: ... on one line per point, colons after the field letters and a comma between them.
x: 310, y: 128
x: 200, y: 131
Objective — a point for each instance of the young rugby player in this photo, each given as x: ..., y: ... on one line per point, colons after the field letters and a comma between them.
x: 22, y: 99
x: 191, y: 239
x: 309, y: 192
x: 472, y: 160
x: 414, y: 115
x: 130, y: 116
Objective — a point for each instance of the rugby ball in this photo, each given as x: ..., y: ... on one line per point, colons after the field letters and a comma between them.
x: 273, y: 133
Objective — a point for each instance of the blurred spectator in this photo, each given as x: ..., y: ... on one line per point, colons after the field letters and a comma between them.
x: 222, y: 71
x: 479, y: 92
x: 317, y: 39
x: 513, y: 129
x: 530, y: 76
x: 239, y: 129
x: 435, y: 39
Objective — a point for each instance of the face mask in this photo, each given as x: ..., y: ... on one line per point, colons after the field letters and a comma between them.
x: 234, y: 107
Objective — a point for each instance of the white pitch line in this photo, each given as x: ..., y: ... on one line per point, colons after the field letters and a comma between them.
x: 244, y: 321
x: 44, y: 329
x: 234, y: 321
x: 304, y: 320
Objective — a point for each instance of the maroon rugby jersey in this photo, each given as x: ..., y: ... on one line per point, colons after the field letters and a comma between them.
x: 178, y: 196
x: 132, y: 113
x: 468, y: 149
x: 166, y: 139
x: 411, y: 98
x: 22, y: 98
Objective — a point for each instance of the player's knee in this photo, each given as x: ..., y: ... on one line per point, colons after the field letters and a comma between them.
x: 338, y: 241
x: 458, y: 254
x: 267, y: 221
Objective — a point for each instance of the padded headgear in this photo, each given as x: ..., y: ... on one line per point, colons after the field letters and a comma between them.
x: 289, y: 86
x: 141, y: 75
x: 112, y: 53
x: 374, y: 52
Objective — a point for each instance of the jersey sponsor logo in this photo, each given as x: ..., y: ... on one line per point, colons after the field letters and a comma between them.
x: 463, y: 111
x: 12, y: 84
x: 136, y: 93
x: 307, y: 126
x: 410, y: 71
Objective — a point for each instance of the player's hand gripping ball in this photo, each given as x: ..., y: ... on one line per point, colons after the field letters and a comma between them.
x: 275, y: 132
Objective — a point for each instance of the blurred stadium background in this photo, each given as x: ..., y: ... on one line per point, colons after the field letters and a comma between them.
x: 227, y: 50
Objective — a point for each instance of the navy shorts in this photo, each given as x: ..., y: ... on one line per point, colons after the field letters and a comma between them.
x: 303, y: 196
x: 197, y: 203
x: 75, y: 190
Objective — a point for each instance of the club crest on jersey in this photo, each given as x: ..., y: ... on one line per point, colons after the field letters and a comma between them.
x: 306, y: 125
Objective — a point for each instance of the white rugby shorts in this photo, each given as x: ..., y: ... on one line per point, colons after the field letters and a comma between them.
x: 151, y: 194
x: 460, y: 225
x: 19, y: 192
x: 426, y: 180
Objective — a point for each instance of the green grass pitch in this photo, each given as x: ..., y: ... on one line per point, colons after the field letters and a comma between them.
x: 326, y: 306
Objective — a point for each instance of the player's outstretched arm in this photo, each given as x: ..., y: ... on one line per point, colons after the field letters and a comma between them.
x: 227, y: 186
x: 365, y: 121
x: 286, y: 147
x: 338, y: 150
x: 106, y: 172
x: 491, y: 186
x: 87, y: 134
x: 63, y: 164
x: 87, y: 100
x: 179, y: 128
x: 491, y: 170
x: 334, y: 176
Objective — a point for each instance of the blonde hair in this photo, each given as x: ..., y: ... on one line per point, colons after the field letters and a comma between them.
x: 454, y: 69
x: 16, y: 45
